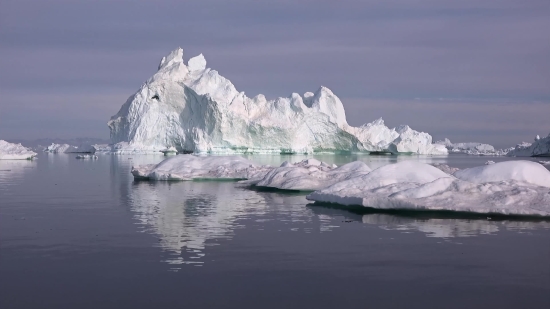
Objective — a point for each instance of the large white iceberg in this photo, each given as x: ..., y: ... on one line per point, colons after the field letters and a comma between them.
x: 10, y: 151
x: 194, y: 109
x: 512, y: 188
x: 540, y: 148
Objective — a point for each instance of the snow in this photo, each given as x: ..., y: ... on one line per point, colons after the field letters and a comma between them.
x: 512, y: 188
x: 10, y: 151
x: 194, y: 109
x: 521, y: 171
x: 189, y: 167
x: 308, y: 175
x: 541, y: 147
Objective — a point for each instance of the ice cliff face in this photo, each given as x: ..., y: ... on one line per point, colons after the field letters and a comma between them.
x: 194, y: 109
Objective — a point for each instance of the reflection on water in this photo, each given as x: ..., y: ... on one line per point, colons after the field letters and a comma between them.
x: 12, y: 172
x: 191, y: 215
x: 450, y: 228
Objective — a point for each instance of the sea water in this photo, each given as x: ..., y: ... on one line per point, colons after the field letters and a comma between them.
x: 84, y: 234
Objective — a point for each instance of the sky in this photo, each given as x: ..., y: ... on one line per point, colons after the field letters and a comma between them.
x: 466, y: 70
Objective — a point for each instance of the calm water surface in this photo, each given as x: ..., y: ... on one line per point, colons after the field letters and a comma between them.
x: 83, y: 234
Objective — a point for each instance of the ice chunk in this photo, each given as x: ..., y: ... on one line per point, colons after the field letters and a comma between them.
x: 197, y: 63
x: 66, y: 148
x: 512, y: 188
x: 10, y: 151
x: 189, y: 167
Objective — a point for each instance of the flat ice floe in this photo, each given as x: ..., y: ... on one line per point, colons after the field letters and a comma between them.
x: 10, y: 151
x: 512, y: 188
x: 189, y: 167
x: 308, y: 175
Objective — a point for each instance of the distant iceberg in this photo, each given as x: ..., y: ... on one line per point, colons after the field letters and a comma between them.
x: 66, y: 148
x: 195, y: 110
x: 540, y: 148
x: 10, y: 151
x: 472, y: 148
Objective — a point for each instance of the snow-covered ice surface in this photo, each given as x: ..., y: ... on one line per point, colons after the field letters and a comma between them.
x: 10, y: 151
x: 194, y: 109
x: 540, y: 147
x: 189, y: 167
x: 308, y: 175
x: 512, y: 188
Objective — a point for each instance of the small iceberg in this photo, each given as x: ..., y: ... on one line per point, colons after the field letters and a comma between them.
x: 10, y: 151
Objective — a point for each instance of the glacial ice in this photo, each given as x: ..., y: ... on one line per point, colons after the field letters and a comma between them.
x: 511, y: 188
x: 194, y: 109
x: 10, y: 151
x: 540, y: 148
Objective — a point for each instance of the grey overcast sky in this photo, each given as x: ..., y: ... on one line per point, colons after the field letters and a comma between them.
x: 469, y: 70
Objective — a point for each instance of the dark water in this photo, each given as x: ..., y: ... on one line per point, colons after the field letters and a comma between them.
x: 82, y: 234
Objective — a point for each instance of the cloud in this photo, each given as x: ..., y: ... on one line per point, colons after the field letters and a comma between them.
x: 373, y: 50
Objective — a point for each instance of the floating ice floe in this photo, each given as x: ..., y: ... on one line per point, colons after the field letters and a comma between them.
x: 10, y: 151
x: 308, y: 175
x: 194, y: 109
x: 512, y: 188
x: 540, y: 148
x: 66, y: 148
x: 189, y: 167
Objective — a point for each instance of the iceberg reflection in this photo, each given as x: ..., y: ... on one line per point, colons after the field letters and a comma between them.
x: 449, y: 227
x: 189, y: 216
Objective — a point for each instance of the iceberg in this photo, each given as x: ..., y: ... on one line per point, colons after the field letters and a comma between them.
x: 195, y: 110
x: 472, y: 148
x: 66, y: 148
x: 509, y: 188
x: 540, y: 148
x: 10, y: 151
